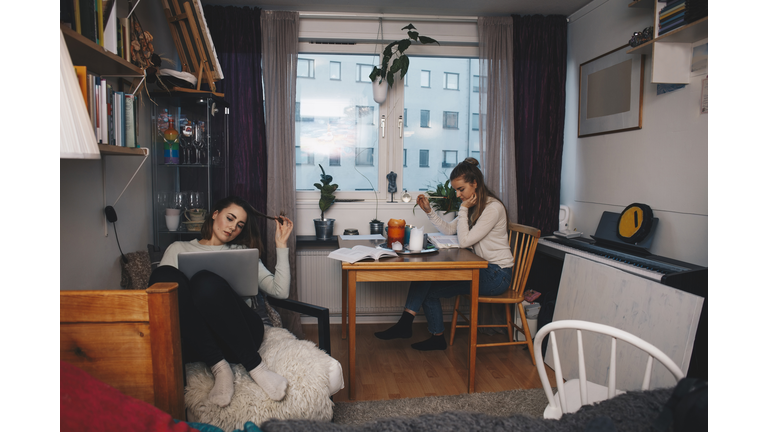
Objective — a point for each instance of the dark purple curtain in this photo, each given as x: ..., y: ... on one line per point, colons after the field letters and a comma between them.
x: 236, y: 34
x: 539, y: 61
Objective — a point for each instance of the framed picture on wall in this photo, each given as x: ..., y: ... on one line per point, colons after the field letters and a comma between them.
x: 611, y: 93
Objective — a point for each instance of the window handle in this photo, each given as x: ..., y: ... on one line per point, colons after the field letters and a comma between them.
x: 383, y: 124
x: 400, y: 126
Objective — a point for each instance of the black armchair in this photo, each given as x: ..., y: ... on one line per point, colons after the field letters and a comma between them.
x: 319, y: 312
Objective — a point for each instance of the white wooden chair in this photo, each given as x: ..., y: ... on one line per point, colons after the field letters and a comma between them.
x: 577, y: 392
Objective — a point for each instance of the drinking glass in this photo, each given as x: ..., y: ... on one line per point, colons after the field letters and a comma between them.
x: 185, y: 141
x: 196, y: 200
x: 199, y: 142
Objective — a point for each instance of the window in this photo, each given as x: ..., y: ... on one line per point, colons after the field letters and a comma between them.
x: 476, y: 83
x: 475, y: 121
x: 335, y: 70
x: 334, y: 158
x: 364, y: 157
x: 305, y: 68
x: 425, y: 76
x: 303, y: 157
x: 423, y: 158
x: 405, y: 116
x: 405, y: 157
x: 364, y: 115
x: 451, y: 81
x: 450, y: 158
x: 425, y: 118
x: 450, y: 120
x: 362, y: 72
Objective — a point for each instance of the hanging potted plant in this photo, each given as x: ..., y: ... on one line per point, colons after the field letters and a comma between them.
x: 383, y: 76
x: 323, y: 226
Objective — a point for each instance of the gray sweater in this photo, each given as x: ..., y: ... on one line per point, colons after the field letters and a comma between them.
x: 277, y: 285
x: 488, y: 238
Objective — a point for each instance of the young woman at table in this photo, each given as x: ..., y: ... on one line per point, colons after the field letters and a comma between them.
x: 481, y: 225
x: 217, y: 326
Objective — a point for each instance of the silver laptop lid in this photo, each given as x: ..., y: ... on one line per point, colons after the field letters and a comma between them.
x: 239, y: 267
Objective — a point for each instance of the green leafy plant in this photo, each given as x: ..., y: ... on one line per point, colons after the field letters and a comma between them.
x: 443, y: 198
x: 401, y: 61
x: 326, y: 192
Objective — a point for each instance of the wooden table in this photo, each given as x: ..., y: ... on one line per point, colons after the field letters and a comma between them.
x: 446, y: 264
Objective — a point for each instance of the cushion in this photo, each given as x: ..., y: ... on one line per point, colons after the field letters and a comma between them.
x: 88, y: 404
x: 306, y: 367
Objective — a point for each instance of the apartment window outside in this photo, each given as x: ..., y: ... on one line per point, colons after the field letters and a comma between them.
x: 405, y: 116
x: 405, y: 157
x: 334, y: 158
x: 305, y: 68
x: 425, y: 77
x: 425, y: 118
x: 362, y: 71
x: 303, y: 157
x: 335, y: 70
x: 450, y: 158
x: 364, y: 157
x: 476, y: 83
x: 451, y: 81
x: 450, y: 120
x: 475, y: 121
x: 423, y: 158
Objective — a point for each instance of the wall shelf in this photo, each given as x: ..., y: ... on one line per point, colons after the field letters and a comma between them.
x: 99, y: 61
x: 647, y: 4
x: 690, y: 33
x: 111, y: 150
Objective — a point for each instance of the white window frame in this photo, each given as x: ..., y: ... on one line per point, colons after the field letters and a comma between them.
x: 445, y: 80
x: 330, y: 71
x: 457, y: 39
x: 310, y: 69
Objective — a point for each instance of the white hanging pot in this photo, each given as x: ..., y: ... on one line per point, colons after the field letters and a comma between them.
x: 380, y: 91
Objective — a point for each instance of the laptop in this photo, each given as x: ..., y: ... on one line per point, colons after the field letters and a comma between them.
x: 239, y: 267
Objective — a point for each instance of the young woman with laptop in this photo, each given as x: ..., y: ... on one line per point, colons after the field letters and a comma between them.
x: 481, y: 225
x: 217, y: 326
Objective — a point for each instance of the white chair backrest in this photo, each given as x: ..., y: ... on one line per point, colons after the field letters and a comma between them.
x: 614, y: 333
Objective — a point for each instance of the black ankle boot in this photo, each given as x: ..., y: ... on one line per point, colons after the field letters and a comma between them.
x: 401, y: 330
x: 434, y: 343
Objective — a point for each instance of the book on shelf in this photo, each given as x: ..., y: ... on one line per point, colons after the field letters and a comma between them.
x: 444, y: 241
x: 82, y: 79
x: 360, y: 252
x: 130, y: 121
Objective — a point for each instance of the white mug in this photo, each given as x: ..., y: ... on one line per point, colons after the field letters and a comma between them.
x: 172, y: 212
x: 172, y: 222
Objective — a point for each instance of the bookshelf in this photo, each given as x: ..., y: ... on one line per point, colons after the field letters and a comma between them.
x: 670, y: 52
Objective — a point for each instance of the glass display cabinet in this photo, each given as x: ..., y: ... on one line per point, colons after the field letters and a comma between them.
x: 190, y: 154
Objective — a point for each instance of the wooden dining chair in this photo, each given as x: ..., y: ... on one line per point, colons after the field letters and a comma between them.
x: 523, y: 240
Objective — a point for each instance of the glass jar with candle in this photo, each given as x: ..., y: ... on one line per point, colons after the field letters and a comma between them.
x: 395, y: 232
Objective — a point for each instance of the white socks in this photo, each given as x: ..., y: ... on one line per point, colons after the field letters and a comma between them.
x: 224, y: 384
x: 273, y: 384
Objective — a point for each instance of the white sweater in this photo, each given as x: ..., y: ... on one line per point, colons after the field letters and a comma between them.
x: 488, y: 238
x: 277, y: 285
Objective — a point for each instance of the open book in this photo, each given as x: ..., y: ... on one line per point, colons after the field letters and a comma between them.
x: 444, y: 241
x: 360, y: 252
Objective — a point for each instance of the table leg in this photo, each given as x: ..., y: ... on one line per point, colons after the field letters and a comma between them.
x: 352, y: 316
x: 344, y: 300
x: 475, y: 292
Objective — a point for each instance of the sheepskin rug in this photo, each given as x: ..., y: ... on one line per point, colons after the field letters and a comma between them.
x: 304, y: 366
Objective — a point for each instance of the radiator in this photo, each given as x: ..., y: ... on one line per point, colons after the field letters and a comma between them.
x: 319, y: 283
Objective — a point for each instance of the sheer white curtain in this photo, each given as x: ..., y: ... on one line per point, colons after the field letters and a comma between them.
x: 497, y: 122
x: 280, y: 51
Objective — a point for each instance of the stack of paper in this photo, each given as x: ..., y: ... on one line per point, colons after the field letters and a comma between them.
x: 443, y: 241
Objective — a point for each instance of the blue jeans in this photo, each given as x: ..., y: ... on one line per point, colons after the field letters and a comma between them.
x: 494, y: 280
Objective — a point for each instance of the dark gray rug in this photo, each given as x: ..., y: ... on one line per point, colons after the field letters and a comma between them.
x: 633, y: 411
x: 506, y: 403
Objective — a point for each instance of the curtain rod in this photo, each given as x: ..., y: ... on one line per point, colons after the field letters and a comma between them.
x: 393, y: 17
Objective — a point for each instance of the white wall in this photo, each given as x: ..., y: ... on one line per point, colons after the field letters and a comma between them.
x: 89, y: 260
x: 664, y: 164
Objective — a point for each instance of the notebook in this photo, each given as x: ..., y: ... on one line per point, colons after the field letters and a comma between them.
x: 239, y: 267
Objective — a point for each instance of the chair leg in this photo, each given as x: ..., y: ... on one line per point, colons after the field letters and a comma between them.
x: 453, y: 321
x: 510, y: 329
x: 521, y: 310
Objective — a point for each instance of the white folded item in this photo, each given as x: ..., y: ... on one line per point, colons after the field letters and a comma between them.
x: 185, y: 76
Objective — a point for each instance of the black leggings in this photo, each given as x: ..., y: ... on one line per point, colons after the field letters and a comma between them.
x: 216, y: 324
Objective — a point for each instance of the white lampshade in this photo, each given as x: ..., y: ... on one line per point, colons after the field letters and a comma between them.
x: 78, y: 140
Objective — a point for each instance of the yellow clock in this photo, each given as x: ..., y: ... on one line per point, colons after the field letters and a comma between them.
x: 635, y: 223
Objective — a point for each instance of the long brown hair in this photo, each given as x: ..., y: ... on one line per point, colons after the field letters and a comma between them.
x: 249, y: 236
x: 469, y: 171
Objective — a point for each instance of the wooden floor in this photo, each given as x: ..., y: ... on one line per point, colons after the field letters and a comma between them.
x: 393, y: 370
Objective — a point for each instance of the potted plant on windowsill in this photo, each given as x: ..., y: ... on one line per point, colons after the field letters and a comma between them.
x: 376, y: 226
x: 323, y: 226
x: 384, y: 74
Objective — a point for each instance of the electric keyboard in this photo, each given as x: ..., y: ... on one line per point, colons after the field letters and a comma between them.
x: 648, y: 268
